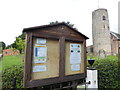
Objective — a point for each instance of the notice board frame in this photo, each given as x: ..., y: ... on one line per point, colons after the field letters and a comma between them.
x: 28, y: 83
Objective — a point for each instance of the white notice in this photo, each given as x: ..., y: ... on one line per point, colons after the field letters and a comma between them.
x: 75, y: 53
x: 40, y: 53
x: 75, y: 67
x: 40, y: 68
x: 41, y: 41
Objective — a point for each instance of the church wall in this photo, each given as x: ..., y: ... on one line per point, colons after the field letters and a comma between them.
x: 114, y: 45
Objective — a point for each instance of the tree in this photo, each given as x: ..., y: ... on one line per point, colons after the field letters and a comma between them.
x: 3, y: 45
x: 19, y: 43
x: 54, y: 22
x: 22, y: 36
x: 68, y: 23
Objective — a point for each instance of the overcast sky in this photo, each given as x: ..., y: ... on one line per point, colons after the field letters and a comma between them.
x: 18, y: 14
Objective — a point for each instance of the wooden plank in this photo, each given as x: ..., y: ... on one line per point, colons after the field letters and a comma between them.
x: 58, y: 32
x: 85, y: 58
x: 52, y: 63
x: 47, y: 36
x: 27, y: 68
x: 62, y: 58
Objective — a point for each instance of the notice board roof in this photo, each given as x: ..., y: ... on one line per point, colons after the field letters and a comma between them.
x: 30, y: 29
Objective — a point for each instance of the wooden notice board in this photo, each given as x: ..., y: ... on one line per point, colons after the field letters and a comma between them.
x: 50, y: 68
x: 68, y: 65
x: 55, y: 53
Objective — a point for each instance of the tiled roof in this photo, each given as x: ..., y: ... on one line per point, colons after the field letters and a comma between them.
x: 116, y: 35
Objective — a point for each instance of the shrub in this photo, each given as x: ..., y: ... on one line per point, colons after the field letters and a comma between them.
x: 8, y: 74
x: 108, y: 72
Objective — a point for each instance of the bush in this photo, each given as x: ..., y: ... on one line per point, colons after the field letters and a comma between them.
x: 8, y: 74
x: 108, y: 72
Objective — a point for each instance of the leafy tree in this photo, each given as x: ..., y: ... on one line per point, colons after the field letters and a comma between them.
x: 22, y: 36
x: 54, y: 22
x: 8, y: 46
x: 3, y: 45
x: 68, y: 23
x: 19, y: 43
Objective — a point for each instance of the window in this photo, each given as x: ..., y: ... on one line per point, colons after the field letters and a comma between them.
x: 6, y: 52
x: 104, y: 26
x: 91, y: 50
x: 104, y: 18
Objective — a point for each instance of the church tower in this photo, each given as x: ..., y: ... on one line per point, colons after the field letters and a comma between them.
x: 101, y: 31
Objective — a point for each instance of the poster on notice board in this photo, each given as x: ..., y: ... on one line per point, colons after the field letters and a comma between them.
x: 40, y: 51
x: 75, y: 56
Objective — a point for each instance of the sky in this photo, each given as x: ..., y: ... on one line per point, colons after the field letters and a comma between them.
x: 18, y: 14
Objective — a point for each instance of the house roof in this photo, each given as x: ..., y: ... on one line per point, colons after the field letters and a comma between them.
x: 116, y: 35
x: 51, y: 25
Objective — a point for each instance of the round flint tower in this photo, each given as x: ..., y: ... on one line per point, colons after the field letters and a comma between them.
x: 101, y: 31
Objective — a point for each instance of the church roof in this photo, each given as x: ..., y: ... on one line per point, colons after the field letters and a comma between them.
x: 116, y: 35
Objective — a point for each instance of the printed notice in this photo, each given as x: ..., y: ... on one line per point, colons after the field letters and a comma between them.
x: 75, y: 53
x: 75, y: 67
x: 40, y: 68
x: 40, y: 53
x: 41, y: 41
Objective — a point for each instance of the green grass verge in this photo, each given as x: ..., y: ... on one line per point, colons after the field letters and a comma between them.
x: 8, y: 61
x: 107, y: 57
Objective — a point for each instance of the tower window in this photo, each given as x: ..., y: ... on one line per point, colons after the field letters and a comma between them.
x: 104, y: 18
x: 104, y: 26
x: 91, y: 50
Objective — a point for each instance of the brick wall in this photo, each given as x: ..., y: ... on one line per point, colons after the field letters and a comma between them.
x: 8, y: 52
x: 114, y: 45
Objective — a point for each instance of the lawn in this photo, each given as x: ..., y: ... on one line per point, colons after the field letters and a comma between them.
x: 107, y: 57
x: 8, y: 61
x: 10, y: 67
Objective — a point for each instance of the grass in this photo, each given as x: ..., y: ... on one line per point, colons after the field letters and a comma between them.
x: 107, y: 57
x: 8, y: 61
x: 5, y: 66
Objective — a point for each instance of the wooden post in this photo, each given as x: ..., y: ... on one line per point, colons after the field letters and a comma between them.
x: 13, y: 84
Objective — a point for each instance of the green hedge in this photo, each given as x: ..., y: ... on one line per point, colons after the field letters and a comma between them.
x: 15, y: 71
x: 108, y: 72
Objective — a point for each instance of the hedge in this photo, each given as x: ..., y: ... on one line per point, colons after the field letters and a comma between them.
x: 108, y: 74
x: 15, y: 71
